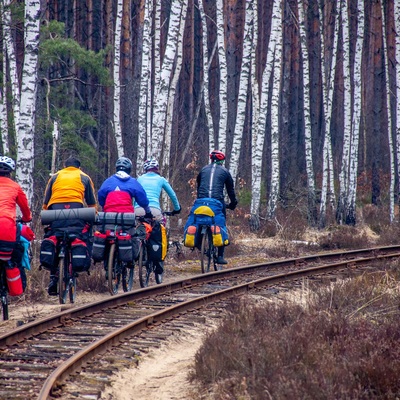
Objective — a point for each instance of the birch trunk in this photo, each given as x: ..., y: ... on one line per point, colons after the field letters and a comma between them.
x: 357, y: 98
x: 117, y: 80
x: 344, y: 172
x: 389, y: 114
x: 243, y: 87
x: 223, y: 80
x: 328, y: 74
x: 307, y: 114
x: 397, y: 74
x: 3, y: 96
x: 144, y: 99
x: 161, y: 99
x: 26, y: 125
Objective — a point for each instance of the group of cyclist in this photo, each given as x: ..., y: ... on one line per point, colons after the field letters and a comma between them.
x: 70, y: 188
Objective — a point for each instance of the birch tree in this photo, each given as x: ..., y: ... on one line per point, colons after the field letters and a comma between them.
x: 356, y: 121
x: 307, y: 112
x: 223, y: 80
x: 397, y: 75
x: 328, y: 74
x: 117, y: 80
x: 390, y: 116
x: 26, y: 124
x: 258, y: 136
x: 243, y: 88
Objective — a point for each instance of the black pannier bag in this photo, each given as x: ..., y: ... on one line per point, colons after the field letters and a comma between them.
x: 80, y: 255
x: 125, y: 246
x: 48, y: 252
x: 157, y: 242
x: 6, y: 249
x: 99, y: 246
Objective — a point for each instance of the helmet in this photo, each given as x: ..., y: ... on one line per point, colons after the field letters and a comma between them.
x: 7, y: 164
x: 217, y: 155
x: 123, y: 164
x: 150, y: 164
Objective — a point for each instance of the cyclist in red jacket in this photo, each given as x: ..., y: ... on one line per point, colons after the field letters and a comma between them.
x: 11, y: 196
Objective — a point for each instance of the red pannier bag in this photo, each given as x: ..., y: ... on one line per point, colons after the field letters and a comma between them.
x: 14, y: 281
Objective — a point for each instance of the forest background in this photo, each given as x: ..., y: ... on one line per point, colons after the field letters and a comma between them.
x: 302, y: 95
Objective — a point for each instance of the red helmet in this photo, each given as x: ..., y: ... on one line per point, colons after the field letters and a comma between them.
x: 217, y: 155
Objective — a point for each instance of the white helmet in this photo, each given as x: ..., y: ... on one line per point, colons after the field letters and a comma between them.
x: 150, y: 164
x: 7, y: 164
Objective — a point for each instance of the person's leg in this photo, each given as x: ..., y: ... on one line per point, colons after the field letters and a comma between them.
x: 220, y: 259
x: 159, y: 267
x: 52, y: 289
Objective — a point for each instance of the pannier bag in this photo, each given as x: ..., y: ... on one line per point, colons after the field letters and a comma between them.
x: 80, y: 256
x: 189, y: 236
x: 6, y: 249
x: 125, y: 246
x: 14, y: 281
x: 157, y: 243
x: 48, y: 252
x: 216, y: 236
x: 99, y: 246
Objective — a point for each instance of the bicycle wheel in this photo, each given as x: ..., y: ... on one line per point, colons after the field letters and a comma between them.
x: 114, y: 276
x: 62, y: 280
x: 4, y: 305
x: 72, y: 288
x: 127, y: 279
x: 144, y: 274
x: 206, y: 252
x: 4, y: 296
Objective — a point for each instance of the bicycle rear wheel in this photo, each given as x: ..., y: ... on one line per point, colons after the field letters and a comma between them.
x: 207, y: 251
x: 4, y: 296
x: 62, y: 279
x: 114, y: 276
x: 144, y: 274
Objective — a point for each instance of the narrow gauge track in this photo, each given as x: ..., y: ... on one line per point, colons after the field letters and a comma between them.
x: 37, y: 357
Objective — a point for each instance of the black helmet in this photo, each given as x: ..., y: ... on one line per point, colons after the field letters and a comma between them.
x: 124, y: 164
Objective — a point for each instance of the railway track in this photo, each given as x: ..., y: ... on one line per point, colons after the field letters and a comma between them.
x: 83, y: 346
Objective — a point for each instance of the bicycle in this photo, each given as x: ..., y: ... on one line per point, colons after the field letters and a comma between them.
x: 146, y: 266
x: 116, y: 269
x: 67, y: 274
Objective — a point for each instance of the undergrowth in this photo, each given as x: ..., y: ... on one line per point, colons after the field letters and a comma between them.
x: 343, y: 344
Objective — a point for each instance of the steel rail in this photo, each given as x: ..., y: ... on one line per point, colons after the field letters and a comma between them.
x: 42, y: 325
x: 75, y: 362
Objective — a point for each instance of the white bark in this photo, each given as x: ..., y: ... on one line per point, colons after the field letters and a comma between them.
x: 3, y: 96
x: 55, y: 144
x: 258, y: 136
x: 161, y: 99
x: 144, y: 124
x: 356, y: 122
x: 328, y: 74
x: 117, y: 80
x: 307, y: 106
x: 243, y: 87
x: 26, y: 125
x: 223, y: 80
x: 390, y: 116
x: 397, y: 69
x: 344, y: 172
x: 206, y: 67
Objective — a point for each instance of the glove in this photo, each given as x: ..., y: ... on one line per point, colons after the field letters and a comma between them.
x: 176, y: 211
x: 148, y: 216
x: 232, y: 205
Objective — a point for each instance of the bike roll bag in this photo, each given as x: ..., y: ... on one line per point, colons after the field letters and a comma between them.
x: 87, y: 214
x: 113, y: 218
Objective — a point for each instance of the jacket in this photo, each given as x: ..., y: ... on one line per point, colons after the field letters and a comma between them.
x: 12, y: 195
x: 153, y: 184
x: 211, y: 182
x: 118, y: 192
x: 69, y: 185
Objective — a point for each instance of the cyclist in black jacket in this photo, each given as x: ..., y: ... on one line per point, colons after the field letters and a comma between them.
x: 211, y: 181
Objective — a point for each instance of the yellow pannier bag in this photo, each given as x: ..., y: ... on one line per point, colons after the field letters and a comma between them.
x: 164, y: 242
x: 190, y: 236
x: 204, y: 210
x: 217, y: 236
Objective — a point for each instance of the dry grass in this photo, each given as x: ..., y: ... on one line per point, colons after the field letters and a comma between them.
x: 343, y: 345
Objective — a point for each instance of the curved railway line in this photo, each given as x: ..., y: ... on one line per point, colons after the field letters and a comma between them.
x: 83, y: 346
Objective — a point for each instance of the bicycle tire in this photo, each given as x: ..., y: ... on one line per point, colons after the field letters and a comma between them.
x: 4, y: 297
x: 206, y: 251
x: 142, y: 266
x: 127, y: 279
x: 62, y: 280
x: 113, y: 281
x: 72, y: 289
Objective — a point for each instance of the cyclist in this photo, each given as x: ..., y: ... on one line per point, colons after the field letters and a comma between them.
x: 153, y: 183
x: 211, y: 181
x: 68, y: 188
x: 11, y: 196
